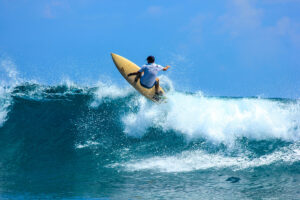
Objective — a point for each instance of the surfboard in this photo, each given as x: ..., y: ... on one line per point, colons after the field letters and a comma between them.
x: 125, y: 67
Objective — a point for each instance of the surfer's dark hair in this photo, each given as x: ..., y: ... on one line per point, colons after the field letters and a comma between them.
x: 150, y: 59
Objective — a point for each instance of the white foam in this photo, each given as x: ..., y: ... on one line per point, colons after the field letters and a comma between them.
x: 166, y: 83
x: 109, y: 91
x: 69, y: 83
x: 9, y: 80
x: 5, y: 102
x: 216, y: 119
x: 88, y: 143
x: 199, y: 160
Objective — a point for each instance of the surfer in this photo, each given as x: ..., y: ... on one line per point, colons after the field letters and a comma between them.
x: 149, y: 79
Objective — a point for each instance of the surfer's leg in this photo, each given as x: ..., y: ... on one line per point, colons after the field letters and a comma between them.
x: 157, y: 86
x: 138, y: 76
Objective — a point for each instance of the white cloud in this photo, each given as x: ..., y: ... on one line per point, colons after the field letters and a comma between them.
x: 155, y: 10
x: 244, y: 19
x: 242, y: 16
x: 54, y: 8
x: 281, y: 1
x: 195, y: 27
x: 288, y: 28
x: 196, y: 23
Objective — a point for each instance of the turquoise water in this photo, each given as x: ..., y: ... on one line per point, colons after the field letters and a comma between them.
x: 106, y: 142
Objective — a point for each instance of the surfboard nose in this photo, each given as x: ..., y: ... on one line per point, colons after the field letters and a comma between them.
x: 116, y: 58
x: 113, y: 55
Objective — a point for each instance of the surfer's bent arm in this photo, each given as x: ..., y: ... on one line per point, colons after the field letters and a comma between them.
x: 134, y: 73
x: 138, y: 75
x: 138, y: 72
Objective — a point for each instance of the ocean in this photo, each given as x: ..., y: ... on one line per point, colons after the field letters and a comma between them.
x: 68, y: 141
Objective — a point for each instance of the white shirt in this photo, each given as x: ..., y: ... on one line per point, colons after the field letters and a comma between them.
x: 150, y: 72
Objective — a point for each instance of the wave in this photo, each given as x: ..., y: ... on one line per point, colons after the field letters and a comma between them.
x: 217, y: 119
x: 121, y: 129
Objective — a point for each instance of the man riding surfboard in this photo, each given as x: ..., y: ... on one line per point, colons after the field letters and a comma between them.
x: 147, y: 74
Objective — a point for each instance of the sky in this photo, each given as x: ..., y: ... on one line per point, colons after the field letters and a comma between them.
x: 222, y: 48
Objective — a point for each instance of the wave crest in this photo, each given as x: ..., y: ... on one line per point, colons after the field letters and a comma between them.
x: 217, y: 119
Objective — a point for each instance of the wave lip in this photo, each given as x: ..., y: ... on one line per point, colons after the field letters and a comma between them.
x: 109, y: 91
x: 5, y: 102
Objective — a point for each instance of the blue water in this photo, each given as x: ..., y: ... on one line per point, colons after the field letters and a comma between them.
x: 107, y: 142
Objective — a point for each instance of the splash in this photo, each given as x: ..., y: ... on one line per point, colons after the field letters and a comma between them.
x: 10, y: 78
x: 109, y: 91
x: 11, y: 75
x: 5, y: 102
x: 217, y: 119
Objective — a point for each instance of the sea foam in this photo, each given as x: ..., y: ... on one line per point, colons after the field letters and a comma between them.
x: 216, y: 119
x: 10, y: 78
x: 200, y: 160
x: 5, y: 102
x: 108, y: 91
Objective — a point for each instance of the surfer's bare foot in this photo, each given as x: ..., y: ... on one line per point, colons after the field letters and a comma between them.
x: 157, y: 96
x: 159, y: 93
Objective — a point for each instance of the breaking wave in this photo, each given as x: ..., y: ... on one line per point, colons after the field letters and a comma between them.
x: 186, y: 132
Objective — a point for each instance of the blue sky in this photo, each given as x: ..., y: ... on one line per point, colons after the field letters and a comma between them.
x: 223, y: 48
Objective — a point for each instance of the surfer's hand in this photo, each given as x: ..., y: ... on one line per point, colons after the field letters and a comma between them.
x: 167, y: 67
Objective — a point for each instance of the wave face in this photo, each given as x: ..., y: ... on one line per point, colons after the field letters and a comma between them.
x: 105, y: 141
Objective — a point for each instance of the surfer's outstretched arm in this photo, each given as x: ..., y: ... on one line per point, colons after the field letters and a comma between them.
x: 166, y: 68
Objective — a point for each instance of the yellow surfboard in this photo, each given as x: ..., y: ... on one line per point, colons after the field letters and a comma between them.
x: 125, y: 67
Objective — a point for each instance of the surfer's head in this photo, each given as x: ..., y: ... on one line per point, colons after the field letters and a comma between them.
x: 150, y: 59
